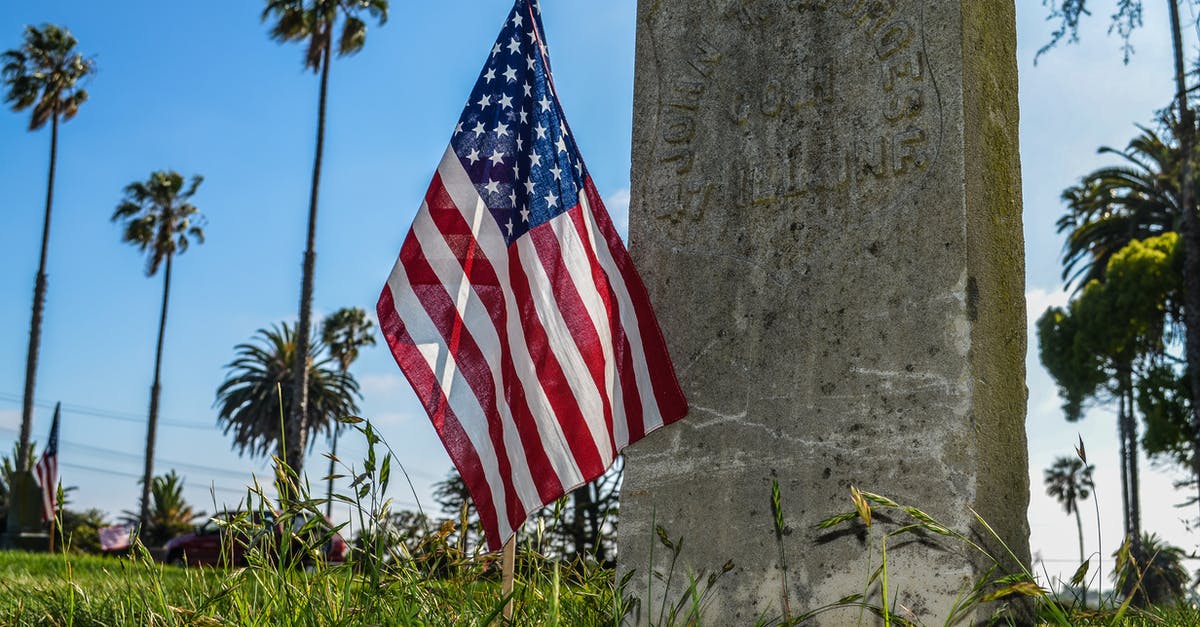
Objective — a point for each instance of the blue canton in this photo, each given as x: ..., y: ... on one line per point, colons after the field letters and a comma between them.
x: 512, y: 138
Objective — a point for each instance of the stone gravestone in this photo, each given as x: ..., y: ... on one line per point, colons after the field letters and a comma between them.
x: 826, y: 210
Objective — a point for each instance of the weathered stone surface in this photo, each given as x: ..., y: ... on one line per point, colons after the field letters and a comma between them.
x: 826, y: 210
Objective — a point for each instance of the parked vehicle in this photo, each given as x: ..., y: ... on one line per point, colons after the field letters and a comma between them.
x: 224, y: 540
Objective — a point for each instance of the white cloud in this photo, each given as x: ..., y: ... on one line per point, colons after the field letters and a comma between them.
x: 381, y: 384
x: 9, y: 418
x: 392, y: 419
x: 618, y: 208
x: 1038, y: 300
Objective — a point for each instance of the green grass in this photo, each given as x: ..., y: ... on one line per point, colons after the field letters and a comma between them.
x: 42, y: 589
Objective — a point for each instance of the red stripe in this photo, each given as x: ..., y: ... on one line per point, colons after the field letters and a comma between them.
x: 420, y: 376
x: 574, y: 313
x: 551, y: 376
x: 472, y: 364
x: 483, y: 279
x: 671, y: 403
x: 622, y: 355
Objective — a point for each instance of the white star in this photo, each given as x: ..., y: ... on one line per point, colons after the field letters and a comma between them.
x: 562, y: 126
x: 506, y: 101
x: 524, y: 116
x: 501, y: 129
x: 532, y: 37
x: 496, y: 157
x: 510, y: 74
x: 562, y: 145
x: 528, y: 89
x: 514, y: 46
x: 529, y: 62
x: 525, y: 214
x: 493, y: 186
x: 551, y: 199
x: 473, y: 156
x: 478, y: 130
x: 520, y: 143
x: 556, y: 171
x: 490, y: 74
x: 545, y: 104
x: 496, y: 49
x: 512, y: 197
x: 516, y: 170
x: 517, y: 19
x: 458, y: 128
x: 509, y: 225
x: 540, y: 130
x: 579, y: 168
x: 535, y: 160
x: 484, y: 101
x: 528, y: 187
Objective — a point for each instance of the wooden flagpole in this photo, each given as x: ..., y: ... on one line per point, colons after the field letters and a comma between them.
x: 507, y: 567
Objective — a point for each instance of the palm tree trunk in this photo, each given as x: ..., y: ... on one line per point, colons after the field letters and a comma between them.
x: 1124, y: 443
x: 298, y: 425
x: 1190, y: 227
x: 39, y: 302
x: 337, y: 430
x: 1135, y: 501
x: 155, y: 389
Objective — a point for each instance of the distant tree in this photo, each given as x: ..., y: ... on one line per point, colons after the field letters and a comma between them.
x: 454, y: 500
x: 344, y: 332
x: 1114, y: 205
x: 170, y: 513
x: 1069, y: 481
x: 1108, y: 336
x: 1127, y: 18
x: 160, y: 221
x: 581, y: 525
x: 314, y: 22
x: 45, y: 73
x: 248, y: 401
x: 80, y: 530
x: 1151, y: 570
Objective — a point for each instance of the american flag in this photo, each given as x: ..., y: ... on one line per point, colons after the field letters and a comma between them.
x: 116, y: 537
x: 46, y: 471
x: 514, y: 309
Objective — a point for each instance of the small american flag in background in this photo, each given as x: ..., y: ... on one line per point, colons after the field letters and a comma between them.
x: 46, y: 471
x: 514, y: 310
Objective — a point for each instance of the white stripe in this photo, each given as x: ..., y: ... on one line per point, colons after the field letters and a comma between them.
x: 462, y: 192
x: 651, y: 418
x: 432, y: 347
x: 562, y: 344
x: 479, y: 324
x: 576, y: 261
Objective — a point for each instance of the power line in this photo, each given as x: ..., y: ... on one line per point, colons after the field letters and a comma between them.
x: 131, y: 475
x: 109, y: 414
x: 172, y: 462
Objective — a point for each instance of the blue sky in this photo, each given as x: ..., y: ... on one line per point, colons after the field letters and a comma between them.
x: 201, y: 89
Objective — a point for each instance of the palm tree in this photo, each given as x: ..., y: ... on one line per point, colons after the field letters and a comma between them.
x: 314, y: 21
x: 159, y: 221
x: 1069, y: 481
x: 1107, y: 211
x: 1128, y: 17
x: 249, y: 399
x: 45, y: 73
x: 170, y: 515
x: 1151, y: 570
x: 344, y: 332
x: 1115, y: 205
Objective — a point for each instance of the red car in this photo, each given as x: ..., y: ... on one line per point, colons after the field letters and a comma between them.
x: 213, y: 544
